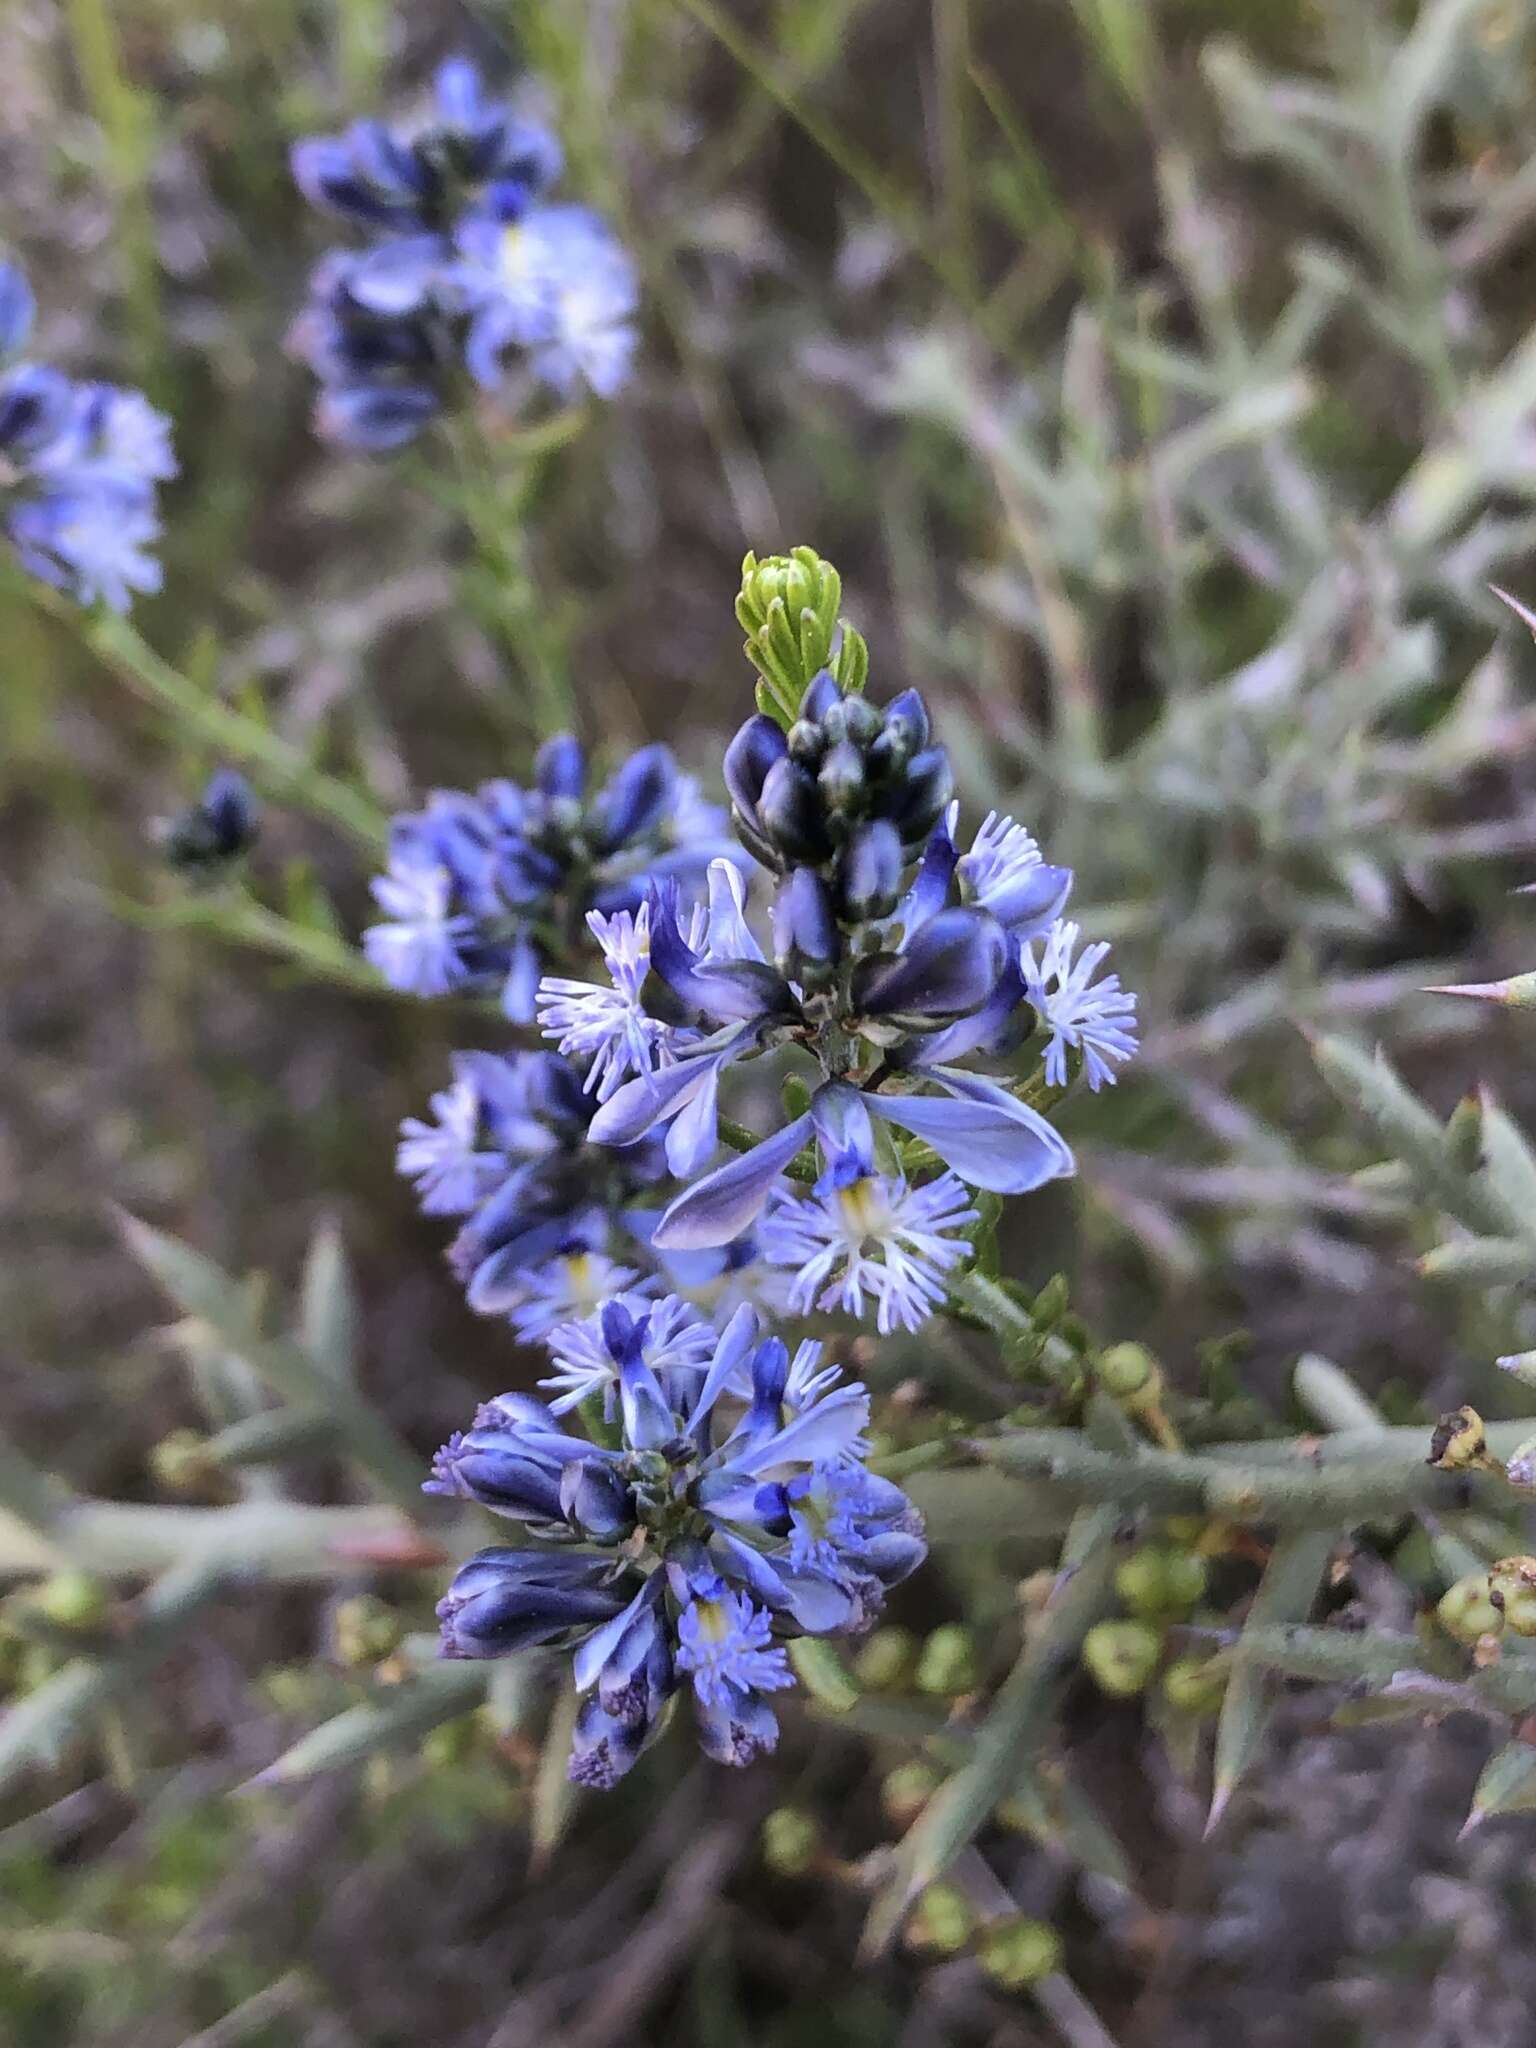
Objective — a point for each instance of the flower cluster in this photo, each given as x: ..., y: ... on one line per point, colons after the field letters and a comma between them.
x: 731, y: 1512
x: 483, y: 889
x: 895, y: 957
x: 79, y: 467
x: 469, y: 275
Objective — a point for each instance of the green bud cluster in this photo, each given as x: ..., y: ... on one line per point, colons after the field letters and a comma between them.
x: 1121, y: 1656
x: 788, y: 609
x: 1485, y: 1604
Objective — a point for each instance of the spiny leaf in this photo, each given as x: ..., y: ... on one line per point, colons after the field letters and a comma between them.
x: 329, y: 1317
x: 1009, y: 1738
x: 1507, y: 1783
x: 1286, y: 1593
x: 399, y: 1715
x: 200, y: 1288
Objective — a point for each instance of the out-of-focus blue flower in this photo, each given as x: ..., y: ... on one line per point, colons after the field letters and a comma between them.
x: 217, y: 829
x: 557, y: 286
x: 475, y: 881
x: 466, y: 277
x: 738, y: 1494
x: 418, y: 180
x: 509, y: 1153
x: 79, y: 466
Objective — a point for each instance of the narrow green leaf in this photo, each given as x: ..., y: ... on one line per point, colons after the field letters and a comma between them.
x: 1008, y: 1740
x: 329, y: 1317
x: 1286, y: 1593
x: 1488, y: 1261
x: 1507, y: 1783
x: 396, y: 1716
x: 554, y: 1796
x: 819, y: 1669
x: 200, y: 1288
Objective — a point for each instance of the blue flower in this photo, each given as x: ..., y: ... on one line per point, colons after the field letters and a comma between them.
x: 475, y: 881
x: 555, y: 285
x: 380, y: 178
x: 735, y: 1505
x: 507, y: 1600
x: 870, y: 1235
x: 510, y: 1153
x: 465, y: 276
x: 1097, y: 1020
x: 79, y: 466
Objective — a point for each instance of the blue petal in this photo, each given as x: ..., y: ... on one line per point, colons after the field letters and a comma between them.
x: 722, y: 1205
x: 17, y: 309
x: 843, y: 1130
x: 694, y: 1132
x: 595, y: 1650
x: 989, y: 1139
x: 649, y: 1099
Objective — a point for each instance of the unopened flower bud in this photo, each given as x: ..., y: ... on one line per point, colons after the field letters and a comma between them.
x: 806, y: 942
x: 1161, y: 1579
x: 943, y: 1921
x: 905, y: 1791
x: 220, y: 826
x: 947, y: 1665
x: 869, y: 872
x: 1468, y: 1610
x: 840, y: 779
x: 364, y: 1630
x: 1195, y: 1685
x: 886, y: 1659
x: 72, y: 1599
x: 1129, y: 1374
x: 1460, y: 1442
x: 791, y: 813
x: 791, y: 1841
x: 1512, y: 1581
x: 1121, y: 1656
x: 1018, y: 1952
x: 181, y: 1464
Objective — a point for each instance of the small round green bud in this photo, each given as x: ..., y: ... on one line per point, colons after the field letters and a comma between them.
x: 1161, y: 1579
x: 943, y: 1921
x: 1195, y: 1685
x: 1121, y: 1656
x: 1129, y: 1373
x: 1512, y: 1582
x: 1468, y: 1610
x: 947, y: 1665
x: 905, y: 1791
x: 181, y: 1464
x: 1460, y: 1442
x: 886, y: 1659
x: 39, y: 1663
x: 72, y: 1599
x: 365, y: 1629
x: 1018, y: 1952
x: 451, y: 1743
x: 791, y: 1841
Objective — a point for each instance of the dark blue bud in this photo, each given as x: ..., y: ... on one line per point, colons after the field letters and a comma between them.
x: 751, y: 754
x: 595, y: 1501
x: 735, y: 1727
x: 840, y: 778
x: 869, y: 871
x: 493, y: 1467
x: 807, y: 743
x: 770, y: 1374
x: 621, y: 1333
x: 36, y: 407
x: 806, y: 943
x: 507, y: 1600
x: 893, y: 1555
x: 634, y: 801
x: 603, y: 1747
x: 791, y: 814
x: 374, y: 418
x: 916, y: 801
x: 906, y: 722
x: 560, y: 766
x: 820, y: 696
x: 949, y: 969
x: 861, y: 720
x: 218, y: 827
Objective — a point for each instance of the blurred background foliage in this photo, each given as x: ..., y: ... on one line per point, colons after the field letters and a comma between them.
x: 1160, y: 378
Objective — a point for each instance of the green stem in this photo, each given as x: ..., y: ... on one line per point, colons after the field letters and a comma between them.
x: 284, y: 770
